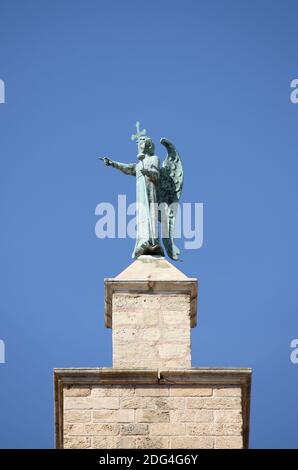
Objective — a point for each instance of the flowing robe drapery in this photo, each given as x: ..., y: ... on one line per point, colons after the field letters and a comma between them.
x: 146, y: 203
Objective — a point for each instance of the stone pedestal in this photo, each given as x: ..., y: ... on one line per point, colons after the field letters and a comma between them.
x: 146, y: 409
x: 151, y: 307
x: 152, y: 397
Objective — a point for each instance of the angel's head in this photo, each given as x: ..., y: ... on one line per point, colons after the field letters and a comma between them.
x: 146, y: 145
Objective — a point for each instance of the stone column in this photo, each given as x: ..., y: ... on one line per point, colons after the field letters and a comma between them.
x: 151, y: 307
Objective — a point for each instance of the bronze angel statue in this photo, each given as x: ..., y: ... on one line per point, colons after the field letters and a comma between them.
x: 158, y: 189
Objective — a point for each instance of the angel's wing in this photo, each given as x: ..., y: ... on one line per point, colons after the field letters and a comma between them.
x: 169, y: 191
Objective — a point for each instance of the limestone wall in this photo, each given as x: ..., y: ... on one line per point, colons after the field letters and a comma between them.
x: 152, y: 416
x: 151, y: 330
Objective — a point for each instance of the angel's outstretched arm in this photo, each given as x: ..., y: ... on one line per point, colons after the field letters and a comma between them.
x: 128, y: 169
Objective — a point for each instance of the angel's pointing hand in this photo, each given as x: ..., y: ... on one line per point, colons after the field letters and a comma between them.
x: 106, y: 160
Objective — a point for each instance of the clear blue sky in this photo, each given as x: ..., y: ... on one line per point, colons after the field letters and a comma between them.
x: 214, y: 77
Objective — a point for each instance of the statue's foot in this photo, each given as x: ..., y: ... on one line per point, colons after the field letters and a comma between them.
x: 148, y: 249
x: 141, y: 249
x: 156, y: 250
